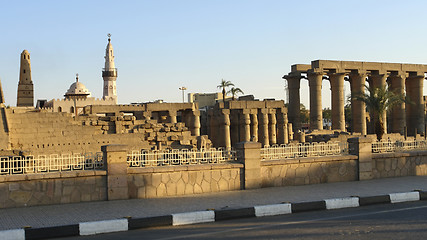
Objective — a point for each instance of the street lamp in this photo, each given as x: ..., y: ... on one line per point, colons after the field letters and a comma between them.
x: 183, y: 90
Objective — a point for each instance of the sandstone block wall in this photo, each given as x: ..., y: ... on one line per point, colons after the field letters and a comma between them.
x: 292, y: 172
x: 52, y: 188
x: 386, y: 165
x: 183, y: 180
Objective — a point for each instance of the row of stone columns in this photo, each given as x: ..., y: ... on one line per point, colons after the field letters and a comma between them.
x: 267, y: 126
x: 412, y: 116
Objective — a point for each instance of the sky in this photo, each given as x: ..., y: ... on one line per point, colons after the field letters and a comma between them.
x: 162, y: 45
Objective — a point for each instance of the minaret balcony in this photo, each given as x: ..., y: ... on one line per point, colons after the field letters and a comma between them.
x: 109, y: 72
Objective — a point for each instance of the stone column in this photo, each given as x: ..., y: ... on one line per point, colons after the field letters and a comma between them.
x: 362, y: 147
x: 254, y: 126
x: 294, y: 101
x: 398, y: 111
x: 195, y: 126
x: 337, y: 87
x: 115, y: 158
x: 226, y: 126
x: 282, y: 127
x: 272, y: 130
x: 315, y: 84
x: 379, y: 81
x: 251, y: 158
x: 415, y: 95
x: 172, y: 116
x: 358, y: 107
x: 264, y: 127
x: 247, y: 126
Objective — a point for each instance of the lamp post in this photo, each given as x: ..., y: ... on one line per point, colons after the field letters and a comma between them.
x: 183, y: 90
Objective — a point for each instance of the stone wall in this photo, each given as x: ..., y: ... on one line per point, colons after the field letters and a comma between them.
x: 52, y: 188
x: 386, y: 165
x: 291, y: 172
x: 151, y: 182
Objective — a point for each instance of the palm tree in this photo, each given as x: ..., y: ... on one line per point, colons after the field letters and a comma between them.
x: 224, y: 84
x: 378, y: 101
x: 234, y: 91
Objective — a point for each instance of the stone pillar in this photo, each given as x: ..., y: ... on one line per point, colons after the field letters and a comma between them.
x: 226, y: 126
x: 272, y: 127
x: 294, y: 101
x: 115, y: 158
x: 358, y: 107
x: 337, y: 87
x: 247, y: 126
x: 264, y: 127
x: 172, y: 116
x: 398, y: 111
x: 315, y: 84
x: 251, y: 158
x: 254, y: 127
x: 195, y: 126
x: 362, y: 147
x: 379, y: 81
x: 282, y: 127
x: 415, y: 95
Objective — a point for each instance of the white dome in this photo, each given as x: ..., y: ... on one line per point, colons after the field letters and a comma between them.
x: 77, y: 88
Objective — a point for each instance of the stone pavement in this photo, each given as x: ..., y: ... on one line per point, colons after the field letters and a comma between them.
x: 69, y: 214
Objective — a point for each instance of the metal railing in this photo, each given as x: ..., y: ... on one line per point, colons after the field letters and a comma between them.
x: 173, y: 157
x: 10, y: 165
x: 276, y: 152
x: 398, y: 146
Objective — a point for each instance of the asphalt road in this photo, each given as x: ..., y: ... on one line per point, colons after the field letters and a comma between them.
x: 387, y: 221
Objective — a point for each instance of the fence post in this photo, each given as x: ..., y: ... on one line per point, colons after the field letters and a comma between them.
x: 362, y: 147
x: 115, y: 157
x: 250, y: 153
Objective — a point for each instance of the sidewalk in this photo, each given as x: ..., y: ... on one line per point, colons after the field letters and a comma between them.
x: 68, y: 214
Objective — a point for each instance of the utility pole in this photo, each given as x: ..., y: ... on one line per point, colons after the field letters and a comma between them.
x: 183, y: 90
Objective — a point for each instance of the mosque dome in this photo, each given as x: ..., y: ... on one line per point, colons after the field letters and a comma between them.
x: 77, y: 89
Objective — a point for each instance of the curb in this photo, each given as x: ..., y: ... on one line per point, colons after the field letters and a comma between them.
x: 125, y: 224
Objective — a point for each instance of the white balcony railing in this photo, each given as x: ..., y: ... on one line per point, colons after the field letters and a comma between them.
x: 398, y: 146
x: 173, y: 157
x: 10, y: 165
x: 277, y: 152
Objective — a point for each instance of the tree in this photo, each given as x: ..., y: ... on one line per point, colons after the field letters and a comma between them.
x: 224, y: 84
x: 378, y: 101
x: 234, y: 91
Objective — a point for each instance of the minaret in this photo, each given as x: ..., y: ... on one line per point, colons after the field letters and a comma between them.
x: 109, y: 73
x: 25, y: 85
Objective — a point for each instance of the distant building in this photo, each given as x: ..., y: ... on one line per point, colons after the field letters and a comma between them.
x: 25, y: 97
x: 205, y: 99
x: 78, y: 96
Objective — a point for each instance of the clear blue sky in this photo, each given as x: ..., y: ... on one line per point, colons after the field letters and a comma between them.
x: 162, y: 45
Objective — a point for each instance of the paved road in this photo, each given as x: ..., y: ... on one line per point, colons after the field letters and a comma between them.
x: 387, y: 221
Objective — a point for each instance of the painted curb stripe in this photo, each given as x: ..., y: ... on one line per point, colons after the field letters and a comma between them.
x: 364, y: 201
x: 90, y: 228
x: 337, y: 203
x: 308, y: 206
x: 14, y: 234
x: 52, y: 232
x: 234, y: 213
x: 193, y: 217
x: 423, y: 195
x: 136, y: 223
x: 404, y: 197
x: 272, y: 210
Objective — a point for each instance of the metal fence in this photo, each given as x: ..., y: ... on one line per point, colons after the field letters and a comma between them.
x: 173, y: 157
x: 398, y: 146
x: 276, y: 152
x: 10, y: 165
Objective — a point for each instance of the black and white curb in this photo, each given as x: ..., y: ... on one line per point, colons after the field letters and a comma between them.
x: 125, y: 224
